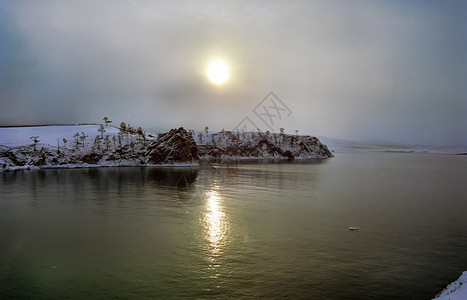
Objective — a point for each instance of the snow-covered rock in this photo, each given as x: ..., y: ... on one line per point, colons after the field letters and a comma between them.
x: 98, y: 145
x: 177, y: 145
x: 91, y: 145
x: 227, y: 144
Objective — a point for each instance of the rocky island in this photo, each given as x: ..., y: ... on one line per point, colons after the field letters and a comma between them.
x: 93, y: 145
x: 245, y: 145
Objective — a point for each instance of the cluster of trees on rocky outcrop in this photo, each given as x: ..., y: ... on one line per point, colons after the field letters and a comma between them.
x: 130, y: 146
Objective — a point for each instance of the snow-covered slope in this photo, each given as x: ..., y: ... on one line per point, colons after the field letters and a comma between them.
x: 456, y: 290
x: 50, y: 135
x: 90, y: 145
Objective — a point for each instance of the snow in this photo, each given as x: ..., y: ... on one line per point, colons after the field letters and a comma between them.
x: 49, y: 135
x: 70, y: 146
x: 18, y: 152
x: 457, y: 290
x: 241, y: 145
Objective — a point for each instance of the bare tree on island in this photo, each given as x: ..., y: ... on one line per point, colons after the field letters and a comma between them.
x: 123, y: 127
x: 200, y: 136
x: 140, y: 131
x: 107, y: 121
x: 107, y: 142
x: 35, y: 140
x: 282, y: 132
x: 101, y: 130
x: 77, y: 143
x: 141, y: 135
x: 97, y: 143
x: 83, y: 138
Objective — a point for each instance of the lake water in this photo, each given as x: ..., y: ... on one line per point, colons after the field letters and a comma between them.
x: 247, y: 230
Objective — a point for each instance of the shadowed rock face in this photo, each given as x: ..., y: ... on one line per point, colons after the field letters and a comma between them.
x: 177, y: 145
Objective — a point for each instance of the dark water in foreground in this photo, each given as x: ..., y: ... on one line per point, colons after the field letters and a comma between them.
x: 237, y: 230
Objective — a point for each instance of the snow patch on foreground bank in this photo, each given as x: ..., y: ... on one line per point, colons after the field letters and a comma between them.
x: 456, y: 290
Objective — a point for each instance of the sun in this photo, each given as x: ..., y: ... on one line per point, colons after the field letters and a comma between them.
x: 217, y: 71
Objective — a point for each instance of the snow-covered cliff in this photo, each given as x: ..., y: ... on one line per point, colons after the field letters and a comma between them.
x: 177, y: 145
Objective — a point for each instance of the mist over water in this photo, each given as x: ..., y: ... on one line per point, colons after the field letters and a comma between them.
x: 230, y: 230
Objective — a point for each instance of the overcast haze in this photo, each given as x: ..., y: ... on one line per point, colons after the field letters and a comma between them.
x: 362, y: 70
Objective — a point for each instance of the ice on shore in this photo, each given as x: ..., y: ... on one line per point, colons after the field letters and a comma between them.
x: 457, y: 290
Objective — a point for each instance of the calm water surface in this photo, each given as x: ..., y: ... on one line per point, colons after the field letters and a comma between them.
x: 232, y: 230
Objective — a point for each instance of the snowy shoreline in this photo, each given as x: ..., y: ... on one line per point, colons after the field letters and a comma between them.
x: 456, y: 290
x: 91, y: 166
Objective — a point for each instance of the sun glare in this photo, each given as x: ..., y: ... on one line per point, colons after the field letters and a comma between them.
x: 218, y: 71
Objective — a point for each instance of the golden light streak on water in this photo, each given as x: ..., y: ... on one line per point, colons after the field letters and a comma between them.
x: 216, y: 225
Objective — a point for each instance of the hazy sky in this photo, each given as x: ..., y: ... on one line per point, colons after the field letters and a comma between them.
x: 387, y: 70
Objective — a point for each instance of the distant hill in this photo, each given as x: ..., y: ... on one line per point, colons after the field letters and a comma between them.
x: 346, y: 146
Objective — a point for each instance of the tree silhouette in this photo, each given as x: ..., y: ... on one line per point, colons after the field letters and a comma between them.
x: 35, y: 140
x: 200, y: 135
x: 77, y: 143
x: 97, y: 143
x: 101, y: 130
x: 83, y: 138
x: 107, y: 142
x: 107, y: 121
x: 123, y: 127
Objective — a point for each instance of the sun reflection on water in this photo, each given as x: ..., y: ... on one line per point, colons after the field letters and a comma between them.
x: 216, y: 225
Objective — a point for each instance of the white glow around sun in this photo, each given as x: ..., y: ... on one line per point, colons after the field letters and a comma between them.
x: 217, y: 71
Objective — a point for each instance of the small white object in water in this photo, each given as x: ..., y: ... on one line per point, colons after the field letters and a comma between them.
x: 353, y: 228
